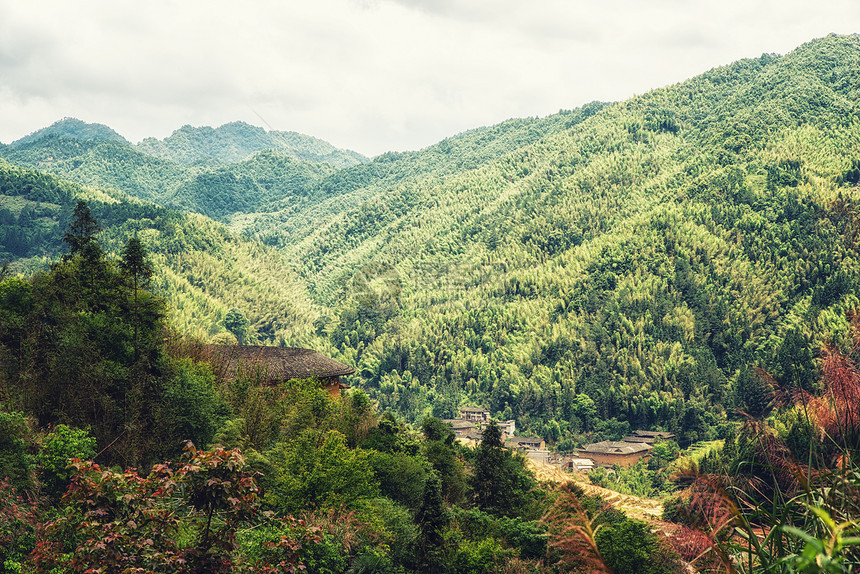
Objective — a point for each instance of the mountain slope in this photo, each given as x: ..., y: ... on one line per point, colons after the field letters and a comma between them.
x: 644, y: 256
x: 201, y: 269
x: 612, y: 266
x: 215, y: 191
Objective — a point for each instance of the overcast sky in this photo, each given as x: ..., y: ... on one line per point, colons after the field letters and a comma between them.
x: 369, y: 75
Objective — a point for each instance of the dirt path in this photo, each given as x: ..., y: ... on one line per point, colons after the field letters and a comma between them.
x: 647, y: 509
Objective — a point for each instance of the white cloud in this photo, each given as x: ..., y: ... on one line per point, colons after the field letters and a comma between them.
x: 371, y: 75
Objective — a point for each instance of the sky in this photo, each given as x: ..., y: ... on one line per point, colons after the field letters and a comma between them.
x: 369, y: 75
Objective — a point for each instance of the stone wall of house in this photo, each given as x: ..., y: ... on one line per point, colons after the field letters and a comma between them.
x: 609, y: 459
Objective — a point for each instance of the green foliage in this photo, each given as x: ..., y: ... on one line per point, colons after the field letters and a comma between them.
x: 500, y: 481
x: 121, y: 520
x: 391, y: 436
x: 528, y: 538
x: 318, y: 469
x: 442, y: 453
x: 16, y: 458
x: 481, y: 556
x: 237, y: 323
x: 59, y: 447
x: 401, y: 477
x: 629, y: 547
x: 189, y: 408
x: 82, y: 229
x: 19, y: 519
x: 432, y: 519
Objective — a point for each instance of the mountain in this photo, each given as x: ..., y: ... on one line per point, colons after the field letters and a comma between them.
x: 643, y: 256
x: 217, y: 191
x: 202, y: 269
x: 71, y: 128
x: 237, y: 141
x: 613, y: 266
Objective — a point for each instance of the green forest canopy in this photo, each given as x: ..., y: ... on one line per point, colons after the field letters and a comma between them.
x: 641, y: 253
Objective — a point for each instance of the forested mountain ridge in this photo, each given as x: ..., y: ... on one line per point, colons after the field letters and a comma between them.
x: 215, y: 189
x: 201, y: 268
x: 643, y: 257
x: 72, y: 128
x: 611, y: 266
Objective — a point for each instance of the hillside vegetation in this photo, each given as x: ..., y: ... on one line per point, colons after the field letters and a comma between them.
x: 603, y: 268
x: 642, y: 256
x: 234, y: 168
x: 683, y: 261
x: 201, y: 268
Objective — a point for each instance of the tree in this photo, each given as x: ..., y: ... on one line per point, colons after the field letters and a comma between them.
x: 137, y: 267
x: 754, y: 392
x: 432, y: 518
x: 500, y: 480
x: 237, y: 323
x: 439, y: 449
x: 82, y: 229
x: 585, y: 409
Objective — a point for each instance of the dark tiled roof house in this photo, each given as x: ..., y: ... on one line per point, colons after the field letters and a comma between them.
x: 611, y: 452
x: 277, y: 364
x: 648, y: 437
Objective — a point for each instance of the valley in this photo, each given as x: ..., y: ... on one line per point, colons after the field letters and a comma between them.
x: 684, y: 261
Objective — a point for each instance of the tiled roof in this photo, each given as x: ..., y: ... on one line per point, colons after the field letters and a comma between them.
x: 524, y: 440
x: 274, y: 363
x: 613, y: 447
x: 460, y: 424
x: 653, y: 434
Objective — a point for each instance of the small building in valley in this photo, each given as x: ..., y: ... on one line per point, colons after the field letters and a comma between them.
x: 525, y: 443
x: 648, y: 437
x: 474, y: 414
x: 461, y: 427
x: 609, y: 453
x: 578, y: 465
x: 274, y: 365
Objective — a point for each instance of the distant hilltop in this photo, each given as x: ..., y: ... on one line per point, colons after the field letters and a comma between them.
x: 72, y: 128
x: 229, y: 143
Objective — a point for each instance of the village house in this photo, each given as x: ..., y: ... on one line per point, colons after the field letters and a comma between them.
x: 460, y: 427
x: 648, y: 437
x: 474, y: 414
x: 609, y: 453
x: 525, y: 443
x: 578, y: 465
x: 274, y: 365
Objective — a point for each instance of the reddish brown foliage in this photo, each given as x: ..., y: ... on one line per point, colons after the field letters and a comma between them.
x: 122, y: 522
x: 837, y: 410
x: 572, y: 533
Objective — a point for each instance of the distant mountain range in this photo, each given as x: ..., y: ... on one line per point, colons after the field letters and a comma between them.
x: 230, y: 143
x: 71, y: 128
x: 237, y: 141
x: 217, y: 172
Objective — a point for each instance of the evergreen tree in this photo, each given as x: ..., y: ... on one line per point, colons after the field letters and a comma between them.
x: 237, y: 323
x: 137, y: 267
x: 82, y: 229
x: 500, y: 480
x: 432, y: 518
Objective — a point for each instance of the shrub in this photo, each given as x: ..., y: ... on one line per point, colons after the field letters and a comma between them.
x: 60, y: 446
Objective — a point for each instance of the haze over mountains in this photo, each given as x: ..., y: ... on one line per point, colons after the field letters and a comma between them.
x: 641, y: 253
